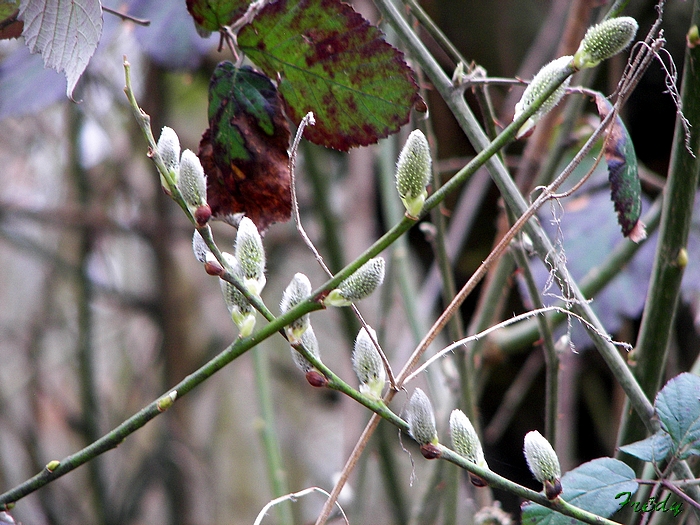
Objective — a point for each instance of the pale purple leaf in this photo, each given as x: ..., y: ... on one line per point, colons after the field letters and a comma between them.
x: 65, y: 32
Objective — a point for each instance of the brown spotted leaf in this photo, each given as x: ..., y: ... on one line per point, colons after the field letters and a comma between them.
x: 332, y: 61
x: 244, y: 151
x: 625, y: 187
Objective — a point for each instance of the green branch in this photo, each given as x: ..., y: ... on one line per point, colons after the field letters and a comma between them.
x: 517, y: 203
x: 498, y: 482
x: 671, y: 255
x: 117, y: 435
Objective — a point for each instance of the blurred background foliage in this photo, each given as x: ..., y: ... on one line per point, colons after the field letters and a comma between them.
x: 104, y: 306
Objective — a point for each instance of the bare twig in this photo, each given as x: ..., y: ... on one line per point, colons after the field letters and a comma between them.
x: 306, y: 121
x: 293, y: 497
x: 129, y: 18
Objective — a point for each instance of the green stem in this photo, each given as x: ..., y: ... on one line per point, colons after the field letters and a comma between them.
x: 671, y: 255
x: 320, y: 182
x: 517, y: 203
x: 113, y: 438
x: 550, y: 352
x: 523, y: 335
x: 498, y: 482
x: 86, y: 351
x: 275, y: 467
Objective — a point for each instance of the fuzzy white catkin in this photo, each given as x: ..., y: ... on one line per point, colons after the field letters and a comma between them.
x: 200, y: 248
x: 359, y: 285
x: 543, y: 81
x: 541, y: 458
x: 241, y: 311
x: 413, y: 170
x: 605, y: 40
x: 297, y: 290
x: 465, y: 441
x: 309, y: 341
x: 250, y: 253
x: 169, y: 150
x: 192, y: 182
x: 421, y: 419
x: 367, y: 363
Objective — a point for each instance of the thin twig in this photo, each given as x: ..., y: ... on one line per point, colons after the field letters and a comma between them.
x: 306, y: 121
x: 129, y: 18
x: 508, y: 322
x: 293, y: 497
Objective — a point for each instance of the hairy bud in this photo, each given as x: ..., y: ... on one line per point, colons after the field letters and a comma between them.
x: 421, y: 419
x: 297, y: 290
x: 241, y: 311
x: 543, y: 463
x: 367, y: 364
x: 465, y: 441
x: 413, y: 172
x: 359, y: 285
x: 169, y: 150
x: 605, y: 40
x: 201, y: 251
x: 192, y: 182
x: 308, y: 340
x: 250, y: 253
x: 541, y: 83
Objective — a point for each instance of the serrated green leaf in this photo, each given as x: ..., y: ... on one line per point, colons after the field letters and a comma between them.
x: 333, y: 62
x: 678, y: 407
x: 655, y: 448
x: 65, y: 32
x: 212, y: 15
x: 244, y: 151
x: 625, y: 186
x: 592, y: 487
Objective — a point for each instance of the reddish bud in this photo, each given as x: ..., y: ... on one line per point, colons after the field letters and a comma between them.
x: 430, y: 451
x: 552, y: 489
x: 214, y: 268
x: 202, y: 215
x: 316, y: 378
x: 477, y: 481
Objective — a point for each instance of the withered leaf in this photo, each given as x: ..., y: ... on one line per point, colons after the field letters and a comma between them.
x: 625, y: 186
x: 244, y: 151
